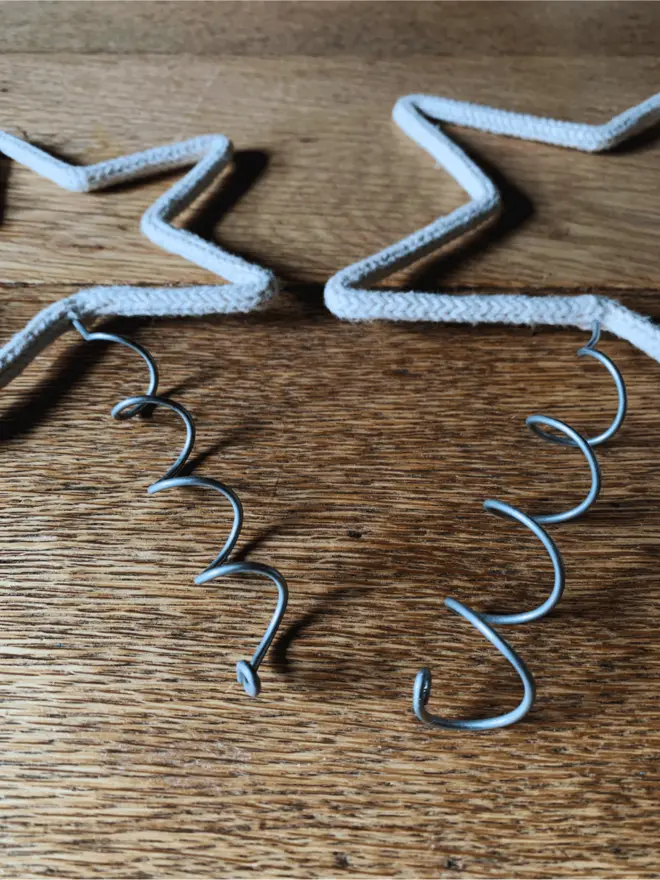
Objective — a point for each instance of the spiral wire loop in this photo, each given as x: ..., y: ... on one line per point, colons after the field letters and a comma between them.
x: 566, y: 436
x: 128, y: 343
x: 575, y: 440
x: 246, y: 670
x: 422, y: 687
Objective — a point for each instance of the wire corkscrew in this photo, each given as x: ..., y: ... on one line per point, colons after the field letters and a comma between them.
x: 563, y: 434
x: 246, y: 670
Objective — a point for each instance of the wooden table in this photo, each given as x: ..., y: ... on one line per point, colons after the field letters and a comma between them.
x: 362, y: 454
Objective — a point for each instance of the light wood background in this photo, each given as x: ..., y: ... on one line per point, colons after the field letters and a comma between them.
x: 362, y: 454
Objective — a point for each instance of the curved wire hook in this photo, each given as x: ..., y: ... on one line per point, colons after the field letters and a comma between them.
x: 97, y: 336
x: 229, y: 494
x: 246, y: 670
x: 423, y: 680
x: 589, y: 350
x: 532, y: 423
x: 151, y: 400
x: 508, y: 512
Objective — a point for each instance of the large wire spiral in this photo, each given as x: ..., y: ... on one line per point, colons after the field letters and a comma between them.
x: 246, y: 670
x: 559, y: 433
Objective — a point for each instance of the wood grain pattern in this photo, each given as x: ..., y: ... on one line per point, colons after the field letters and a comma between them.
x: 362, y: 454
x: 298, y: 27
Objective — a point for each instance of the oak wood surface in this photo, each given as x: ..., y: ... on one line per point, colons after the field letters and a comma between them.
x: 368, y: 29
x: 362, y: 454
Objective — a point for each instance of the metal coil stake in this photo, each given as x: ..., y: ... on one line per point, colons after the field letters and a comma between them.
x: 564, y: 435
x: 246, y: 670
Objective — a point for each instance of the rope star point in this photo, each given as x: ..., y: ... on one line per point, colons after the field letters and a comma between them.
x: 347, y: 293
x: 250, y: 287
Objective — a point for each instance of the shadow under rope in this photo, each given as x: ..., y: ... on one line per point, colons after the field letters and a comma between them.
x: 517, y: 209
x: 638, y: 143
x: 22, y: 416
x: 247, y: 168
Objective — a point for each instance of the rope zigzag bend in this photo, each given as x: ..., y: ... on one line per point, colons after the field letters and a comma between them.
x: 250, y: 285
x: 347, y: 294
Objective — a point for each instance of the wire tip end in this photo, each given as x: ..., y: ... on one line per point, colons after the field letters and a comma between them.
x: 421, y: 690
x: 249, y: 678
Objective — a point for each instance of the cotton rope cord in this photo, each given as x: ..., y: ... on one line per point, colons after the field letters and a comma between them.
x: 347, y: 294
x: 250, y: 285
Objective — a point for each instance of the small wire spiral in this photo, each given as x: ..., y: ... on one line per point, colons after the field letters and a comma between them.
x: 246, y: 670
x: 562, y: 434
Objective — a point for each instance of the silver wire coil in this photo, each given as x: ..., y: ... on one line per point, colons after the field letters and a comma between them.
x: 246, y: 670
x: 561, y: 434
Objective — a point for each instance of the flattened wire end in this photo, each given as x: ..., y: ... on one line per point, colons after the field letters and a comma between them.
x: 421, y: 692
x: 595, y: 336
x: 248, y: 677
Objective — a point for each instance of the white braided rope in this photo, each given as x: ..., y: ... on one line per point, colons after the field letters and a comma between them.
x: 346, y: 294
x: 250, y: 286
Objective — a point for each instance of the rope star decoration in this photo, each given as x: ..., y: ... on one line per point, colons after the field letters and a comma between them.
x: 250, y: 285
x: 347, y: 294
